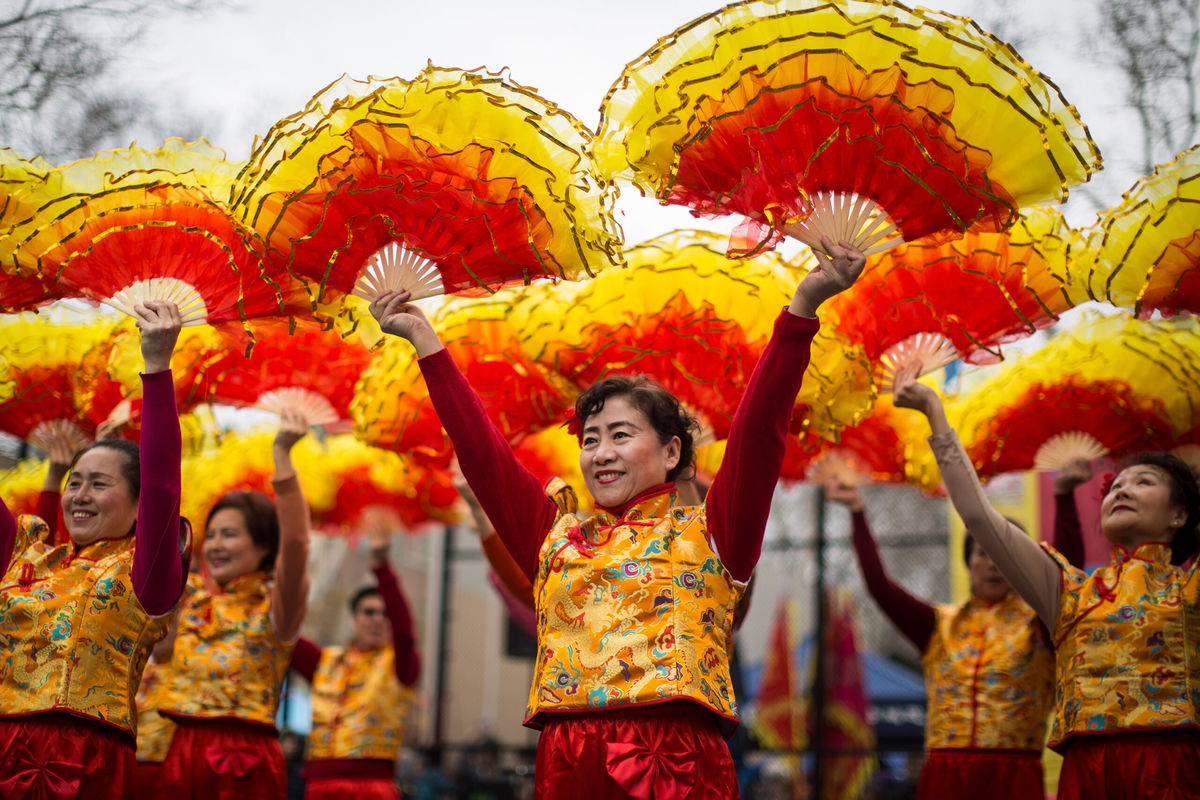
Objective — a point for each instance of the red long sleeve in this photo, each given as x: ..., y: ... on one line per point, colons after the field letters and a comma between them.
x: 510, y: 496
x: 158, y: 572
x: 404, y: 641
x: 306, y: 655
x: 1068, y: 530
x: 8, y: 535
x: 49, y: 508
x: 914, y: 617
x: 739, y: 499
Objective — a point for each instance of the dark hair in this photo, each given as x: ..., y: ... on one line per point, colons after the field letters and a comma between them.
x: 667, y: 416
x: 360, y: 595
x: 969, y: 541
x: 131, y: 467
x: 262, y: 522
x: 1184, y: 493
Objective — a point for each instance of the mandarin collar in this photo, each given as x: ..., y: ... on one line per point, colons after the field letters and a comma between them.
x: 1150, y: 552
x: 651, y: 503
x: 252, y: 583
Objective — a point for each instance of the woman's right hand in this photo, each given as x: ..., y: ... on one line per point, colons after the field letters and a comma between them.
x: 159, y: 322
x: 907, y: 392
x: 399, y: 317
x: 846, y: 495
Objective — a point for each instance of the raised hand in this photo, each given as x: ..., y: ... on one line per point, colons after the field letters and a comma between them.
x: 846, y: 495
x: 398, y: 317
x: 1075, y: 472
x: 159, y: 322
x: 908, y: 393
x: 293, y: 427
x: 838, y: 267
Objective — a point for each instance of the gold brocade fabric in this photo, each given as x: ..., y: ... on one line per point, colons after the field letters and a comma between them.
x: 989, y: 677
x: 76, y: 635
x: 358, y: 705
x: 229, y: 662
x: 154, y: 731
x: 631, y: 610
x: 1127, y: 639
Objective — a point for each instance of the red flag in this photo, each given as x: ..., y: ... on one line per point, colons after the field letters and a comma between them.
x: 777, y: 719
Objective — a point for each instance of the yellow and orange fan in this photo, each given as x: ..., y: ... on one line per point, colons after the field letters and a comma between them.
x: 1144, y: 253
x: 152, y: 224
x: 1111, y: 386
x: 306, y: 369
x: 686, y: 315
x: 21, y: 486
x: 25, y: 186
x: 867, y: 122
x: 934, y: 302
x: 456, y: 181
x: 42, y: 393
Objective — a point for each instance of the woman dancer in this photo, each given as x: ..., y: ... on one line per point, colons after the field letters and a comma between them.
x: 988, y: 664
x: 235, y: 633
x: 635, y: 602
x: 361, y: 692
x: 1126, y: 636
x: 81, y: 617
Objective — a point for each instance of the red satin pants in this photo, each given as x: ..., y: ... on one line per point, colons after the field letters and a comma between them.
x: 351, y: 789
x: 664, y: 752
x: 218, y: 760
x: 981, y: 775
x: 57, y: 756
x: 1124, y: 766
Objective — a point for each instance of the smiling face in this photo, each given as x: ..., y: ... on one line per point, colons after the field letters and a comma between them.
x: 621, y: 455
x: 986, y: 581
x: 229, y: 550
x: 97, y: 501
x: 370, y: 623
x: 1138, y: 507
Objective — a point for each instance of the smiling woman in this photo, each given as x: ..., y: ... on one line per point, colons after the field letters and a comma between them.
x: 635, y: 602
x: 235, y: 633
x: 127, y: 556
x: 1127, y: 715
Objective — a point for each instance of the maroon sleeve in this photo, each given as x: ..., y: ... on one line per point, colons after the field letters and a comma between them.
x: 510, y: 496
x: 8, y: 535
x: 914, y: 617
x: 739, y: 499
x: 1068, y: 530
x: 404, y: 640
x: 49, y: 508
x: 306, y: 655
x: 158, y: 574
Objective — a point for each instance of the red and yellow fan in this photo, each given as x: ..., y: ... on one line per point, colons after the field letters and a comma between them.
x: 21, y: 485
x: 43, y: 392
x: 1144, y: 253
x: 1110, y: 387
x: 151, y: 224
x: 307, y: 369
x: 937, y: 301
x: 696, y: 322
x: 454, y: 182
x: 867, y: 122
x: 25, y: 187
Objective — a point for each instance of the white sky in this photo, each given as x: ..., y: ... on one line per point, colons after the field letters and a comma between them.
x: 243, y: 68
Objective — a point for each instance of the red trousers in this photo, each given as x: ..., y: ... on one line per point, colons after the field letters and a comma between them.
x: 351, y: 789
x: 981, y: 775
x: 663, y: 752
x: 55, y: 756
x: 146, y: 779
x: 1125, y: 766
x: 223, y: 760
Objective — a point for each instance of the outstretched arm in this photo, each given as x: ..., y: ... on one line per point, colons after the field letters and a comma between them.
x: 49, y: 504
x: 503, y: 566
x: 1030, y: 570
x: 511, y: 497
x: 913, y: 616
x: 739, y: 500
x: 289, y: 593
x: 158, y: 568
x: 1068, y: 531
x: 407, y: 662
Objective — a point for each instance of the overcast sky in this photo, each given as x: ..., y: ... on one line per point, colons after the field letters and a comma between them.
x: 244, y: 67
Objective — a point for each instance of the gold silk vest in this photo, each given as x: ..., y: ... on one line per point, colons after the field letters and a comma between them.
x: 358, y: 705
x: 1128, y: 645
x: 154, y: 731
x: 989, y: 677
x: 75, y: 634
x: 229, y: 662
x: 631, y: 611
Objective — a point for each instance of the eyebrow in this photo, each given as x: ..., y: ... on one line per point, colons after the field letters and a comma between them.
x: 91, y: 474
x: 611, y: 426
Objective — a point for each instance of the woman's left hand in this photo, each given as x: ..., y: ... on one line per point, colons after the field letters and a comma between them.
x: 159, y: 322
x: 293, y: 427
x: 838, y: 267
